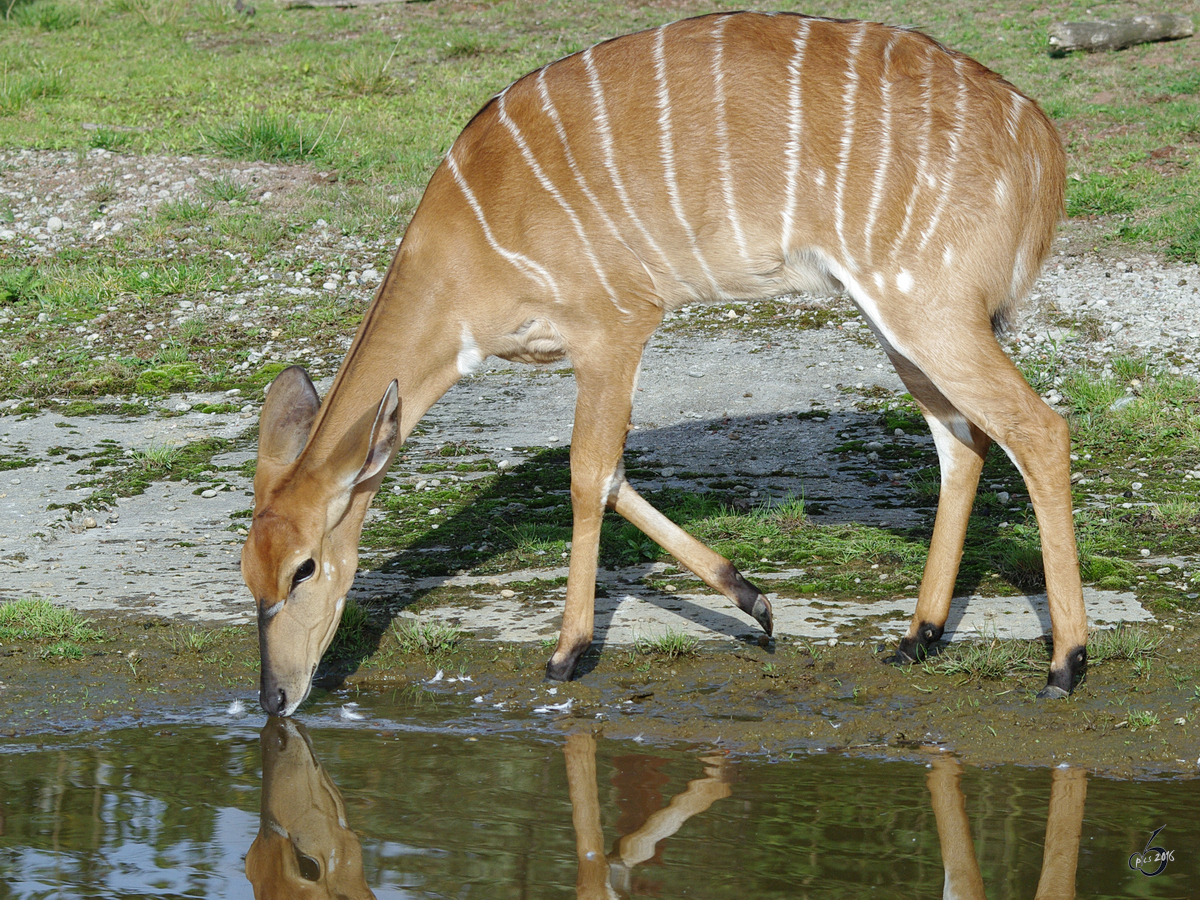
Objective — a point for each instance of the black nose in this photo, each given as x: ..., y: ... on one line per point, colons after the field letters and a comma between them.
x: 273, y: 702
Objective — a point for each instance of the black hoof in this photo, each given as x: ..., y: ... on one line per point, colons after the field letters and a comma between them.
x: 560, y: 671
x: 899, y: 658
x: 1062, y: 681
x: 1052, y: 692
x: 915, y: 649
x: 749, y: 599
x: 762, y: 614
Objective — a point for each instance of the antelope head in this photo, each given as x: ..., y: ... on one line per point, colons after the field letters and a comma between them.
x: 301, y: 553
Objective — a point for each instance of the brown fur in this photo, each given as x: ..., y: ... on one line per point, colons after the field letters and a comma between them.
x: 673, y: 166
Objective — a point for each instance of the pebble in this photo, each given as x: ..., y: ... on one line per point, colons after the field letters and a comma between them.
x: 208, y: 494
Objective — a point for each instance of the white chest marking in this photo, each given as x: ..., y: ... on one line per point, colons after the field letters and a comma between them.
x: 469, y: 357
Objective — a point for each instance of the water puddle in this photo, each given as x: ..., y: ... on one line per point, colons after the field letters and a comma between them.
x: 416, y: 805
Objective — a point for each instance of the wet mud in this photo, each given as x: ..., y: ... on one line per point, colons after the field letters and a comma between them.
x: 1128, y: 719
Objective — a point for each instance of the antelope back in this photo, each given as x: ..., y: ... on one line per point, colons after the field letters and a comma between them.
x: 745, y: 155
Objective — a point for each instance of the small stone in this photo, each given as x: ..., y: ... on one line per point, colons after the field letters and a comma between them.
x: 1163, y: 570
x: 1144, y: 552
x: 89, y: 522
x: 1003, y: 497
x: 54, y: 225
x: 508, y: 594
x: 209, y: 494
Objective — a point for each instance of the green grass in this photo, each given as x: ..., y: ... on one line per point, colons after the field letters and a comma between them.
x: 380, y: 93
x: 224, y: 188
x: 271, y: 136
x: 190, y: 639
x: 991, y: 659
x: 40, y: 621
x: 1123, y: 642
x: 430, y: 639
x: 356, y: 636
x: 670, y: 644
x: 118, y: 473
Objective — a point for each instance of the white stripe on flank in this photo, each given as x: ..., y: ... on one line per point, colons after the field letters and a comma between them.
x: 573, y: 164
x: 921, y: 175
x: 849, y: 109
x: 795, y: 123
x: 1012, y: 115
x: 666, y: 145
x: 879, y: 184
x: 521, y: 262
x: 610, y: 163
x: 955, y: 140
x: 723, y: 160
x: 553, y: 191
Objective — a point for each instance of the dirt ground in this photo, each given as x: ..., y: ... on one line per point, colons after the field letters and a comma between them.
x: 158, y: 572
x: 791, y: 697
x: 761, y: 399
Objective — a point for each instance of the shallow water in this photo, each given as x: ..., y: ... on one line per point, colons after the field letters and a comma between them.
x: 413, y: 804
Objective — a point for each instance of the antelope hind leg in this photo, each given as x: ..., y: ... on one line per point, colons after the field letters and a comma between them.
x: 1036, y: 438
x: 961, y: 449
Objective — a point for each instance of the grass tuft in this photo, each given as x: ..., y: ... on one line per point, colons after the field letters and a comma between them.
x: 671, y: 644
x: 1123, y: 642
x: 270, y: 136
x: 223, y: 189
x: 426, y: 638
x: 192, y: 639
x: 17, y: 90
x: 39, y: 620
x: 353, y: 639
x: 991, y: 659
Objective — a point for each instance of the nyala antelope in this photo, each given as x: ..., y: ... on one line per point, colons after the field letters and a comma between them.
x: 727, y: 157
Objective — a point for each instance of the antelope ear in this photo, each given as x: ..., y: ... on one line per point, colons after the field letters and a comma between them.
x: 367, y: 448
x: 384, y: 432
x: 287, y: 417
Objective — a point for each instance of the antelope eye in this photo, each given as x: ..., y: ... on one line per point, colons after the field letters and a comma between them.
x: 305, y: 572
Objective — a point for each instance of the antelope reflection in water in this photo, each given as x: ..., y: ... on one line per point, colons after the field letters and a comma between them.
x: 304, y: 847
x: 1064, y: 824
x: 600, y: 875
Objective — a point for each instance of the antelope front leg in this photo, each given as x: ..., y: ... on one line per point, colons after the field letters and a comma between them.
x: 602, y: 410
x: 708, y: 565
